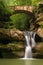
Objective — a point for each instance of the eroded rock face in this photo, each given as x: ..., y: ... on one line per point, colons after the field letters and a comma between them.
x: 11, y: 33
x: 12, y: 50
x: 39, y: 20
x: 40, y: 32
x: 38, y: 50
x: 15, y: 49
x: 16, y: 34
x: 11, y: 43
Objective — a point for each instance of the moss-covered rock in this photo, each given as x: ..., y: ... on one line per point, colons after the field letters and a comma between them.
x: 11, y: 43
x: 12, y: 50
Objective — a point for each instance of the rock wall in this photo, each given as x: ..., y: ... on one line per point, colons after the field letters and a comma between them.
x: 39, y: 31
x: 12, y: 44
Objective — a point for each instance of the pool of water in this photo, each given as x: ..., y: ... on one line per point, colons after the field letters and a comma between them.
x: 21, y: 62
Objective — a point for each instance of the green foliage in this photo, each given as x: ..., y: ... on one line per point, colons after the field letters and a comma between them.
x: 3, y: 8
x: 4, y: 11
x: 41, y: 25
x: 22, y: 2
x: 34, y: 2
x: 20, y: 21
x: 8, y: 25
x: 17, y: 2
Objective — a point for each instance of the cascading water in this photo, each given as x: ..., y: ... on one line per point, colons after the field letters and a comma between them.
x: 29, y: 36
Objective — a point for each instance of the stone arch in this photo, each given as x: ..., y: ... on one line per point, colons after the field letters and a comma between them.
x: 23, y: 9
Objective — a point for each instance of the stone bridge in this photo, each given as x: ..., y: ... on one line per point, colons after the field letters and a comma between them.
x: 23, y: 9
x: 26, y: 8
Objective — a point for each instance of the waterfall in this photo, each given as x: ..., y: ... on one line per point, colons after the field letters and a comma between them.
x: 30, y: 41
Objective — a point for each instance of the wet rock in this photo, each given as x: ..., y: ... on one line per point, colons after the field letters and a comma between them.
x: 38, y: 51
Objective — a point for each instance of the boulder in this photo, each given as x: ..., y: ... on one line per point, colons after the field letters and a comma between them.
x: 40, y: 32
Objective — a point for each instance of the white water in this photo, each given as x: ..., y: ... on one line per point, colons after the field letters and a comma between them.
x: 29, y: 36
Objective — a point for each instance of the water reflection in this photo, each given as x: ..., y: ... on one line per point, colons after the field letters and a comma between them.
x: 21, y: 62
x: 28, y: 62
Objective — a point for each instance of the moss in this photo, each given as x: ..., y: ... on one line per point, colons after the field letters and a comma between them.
x: 41, y: 25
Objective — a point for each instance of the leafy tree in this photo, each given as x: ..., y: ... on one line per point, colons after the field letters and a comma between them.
x: 22, y: 2
x: 4, y: 11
